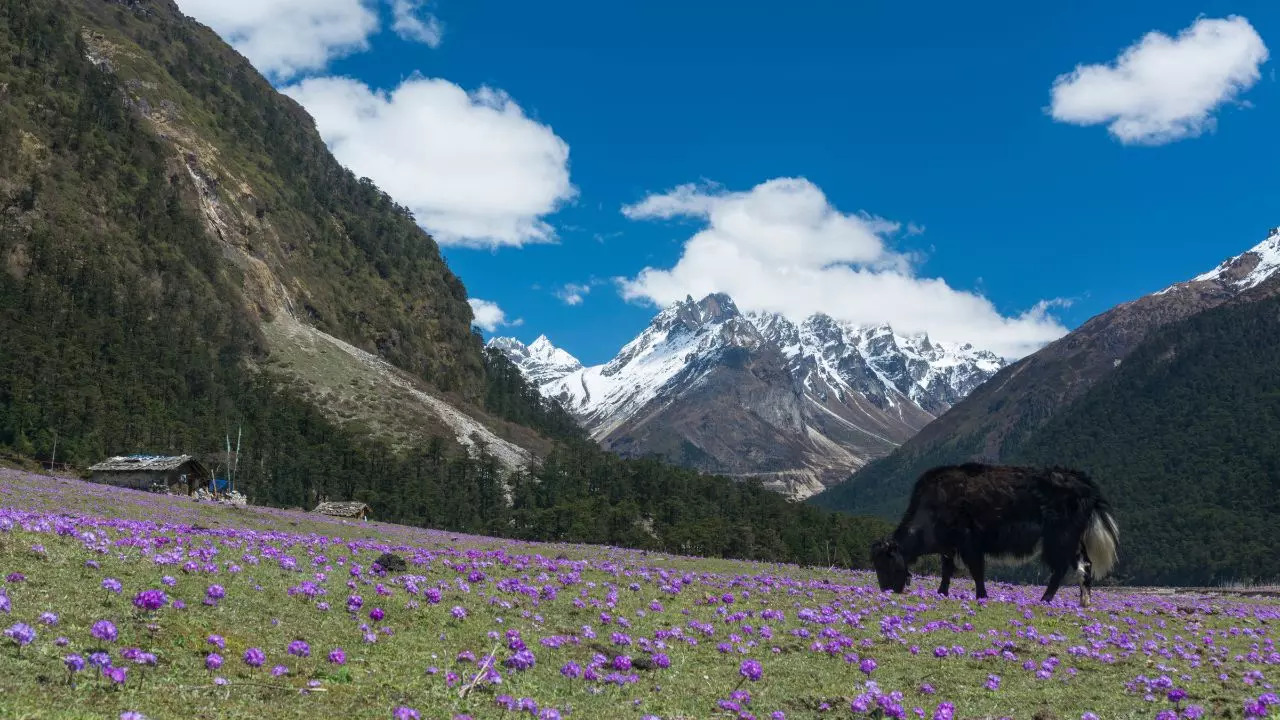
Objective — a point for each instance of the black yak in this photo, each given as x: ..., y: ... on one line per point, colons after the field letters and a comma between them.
x: 975, y: 510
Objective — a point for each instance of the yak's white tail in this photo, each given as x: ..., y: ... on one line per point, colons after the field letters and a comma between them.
x: 1100, y: 541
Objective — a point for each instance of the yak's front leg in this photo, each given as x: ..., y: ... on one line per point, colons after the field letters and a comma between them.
x: 948, y: 569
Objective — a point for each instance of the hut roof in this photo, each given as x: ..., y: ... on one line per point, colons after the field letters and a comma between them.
x: 341, y: 509
x: 142, y: 463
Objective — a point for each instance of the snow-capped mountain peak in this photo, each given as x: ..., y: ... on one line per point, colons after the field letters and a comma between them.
x: 827, y: 394
x: 540, y: 361
x: 1242, y: 272
x: 1251, y: 267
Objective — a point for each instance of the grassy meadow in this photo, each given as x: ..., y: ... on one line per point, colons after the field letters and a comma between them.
x: 117, y: 602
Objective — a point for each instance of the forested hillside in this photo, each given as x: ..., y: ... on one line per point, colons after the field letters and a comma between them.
x: 169, y: 224
x: 1185, y: 440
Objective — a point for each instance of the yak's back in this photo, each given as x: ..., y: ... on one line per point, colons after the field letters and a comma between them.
x: 976, y: 490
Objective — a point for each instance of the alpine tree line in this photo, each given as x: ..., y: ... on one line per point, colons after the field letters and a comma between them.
x: 123, y: 329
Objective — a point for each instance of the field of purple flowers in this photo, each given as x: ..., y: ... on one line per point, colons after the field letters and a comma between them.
x: 119, y: 604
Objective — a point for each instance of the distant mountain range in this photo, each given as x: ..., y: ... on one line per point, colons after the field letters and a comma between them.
x: 754, y: 394
x: 1169, y: 400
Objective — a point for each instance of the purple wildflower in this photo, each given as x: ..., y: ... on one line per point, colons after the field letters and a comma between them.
x: 751, y: 670
x: 21, y: 633
x: 104, y: 630
x: 150, y: 600
x: 254, y: 657
x: 337, y: 656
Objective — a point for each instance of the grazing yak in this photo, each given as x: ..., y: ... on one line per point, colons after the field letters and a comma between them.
x: 1015, y: 513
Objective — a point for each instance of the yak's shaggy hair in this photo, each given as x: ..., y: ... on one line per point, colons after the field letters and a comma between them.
x: 975, y: 510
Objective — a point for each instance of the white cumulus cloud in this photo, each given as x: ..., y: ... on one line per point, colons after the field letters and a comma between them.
x: 782, y: 247
x: 489, y: 316
x: 415, y: 24
x: 1163, y: 89
x: 283, y: 38
x: 473, y: 168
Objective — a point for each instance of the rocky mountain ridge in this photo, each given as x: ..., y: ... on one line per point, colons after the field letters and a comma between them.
x: 799, y: 405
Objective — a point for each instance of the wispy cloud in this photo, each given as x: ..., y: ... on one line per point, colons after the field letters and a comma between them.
x: 414, y: 23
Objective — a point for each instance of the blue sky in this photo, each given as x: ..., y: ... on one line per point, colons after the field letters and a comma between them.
x: 927, y: 117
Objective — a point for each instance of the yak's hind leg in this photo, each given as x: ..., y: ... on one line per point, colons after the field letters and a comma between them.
x: 1059, y: 551
x: 948, y: 569
x: 976, y: 563
x: 1055, y: 581
x: 1085, y: 568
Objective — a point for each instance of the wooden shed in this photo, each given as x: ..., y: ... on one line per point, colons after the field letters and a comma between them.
x: 351, y: 509
x: 176, y: 473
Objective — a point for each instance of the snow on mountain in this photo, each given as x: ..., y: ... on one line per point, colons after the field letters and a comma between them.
x: 814, y: 400
x: 1267, y: 255
x: 1244, y: 271
x: 540, y: 361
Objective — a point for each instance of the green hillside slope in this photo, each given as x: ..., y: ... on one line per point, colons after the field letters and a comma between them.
x: 1185, y: 440
x: 181, y: 257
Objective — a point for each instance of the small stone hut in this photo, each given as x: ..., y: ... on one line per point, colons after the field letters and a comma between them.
x: 177, y: 473
x: 352, y: 509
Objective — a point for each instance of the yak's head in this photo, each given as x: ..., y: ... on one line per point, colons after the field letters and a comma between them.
x: 890, y: 565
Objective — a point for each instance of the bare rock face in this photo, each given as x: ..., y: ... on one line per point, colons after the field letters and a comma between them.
x: 799, y: 406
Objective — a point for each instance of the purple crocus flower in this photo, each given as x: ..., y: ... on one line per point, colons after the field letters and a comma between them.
x: 150, y: 600
x: 254, y: 657
x: 21, y: 633
x: 104, y: 630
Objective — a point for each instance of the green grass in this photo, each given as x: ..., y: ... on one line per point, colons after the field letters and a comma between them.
x: 258, y: 611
